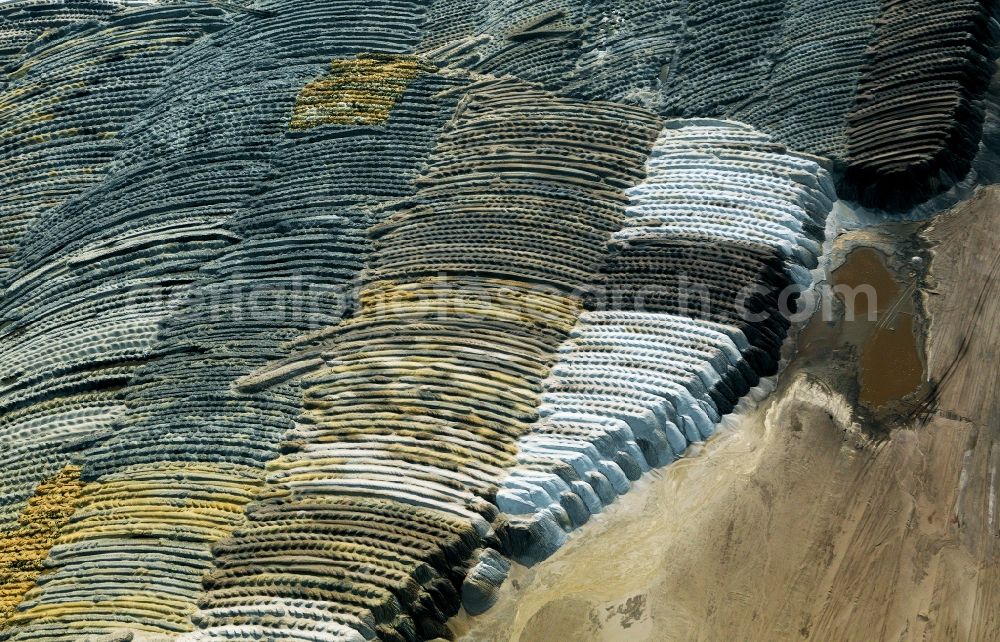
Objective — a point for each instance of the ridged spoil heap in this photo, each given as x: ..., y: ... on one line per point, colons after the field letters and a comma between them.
x: 381, y: 503
x: 724, y: 57
x: 536, y: 41
x: 361, y: 90
x: 66, y: 347
x: 547, y: 308
x: 64, y: 105
x: 819, y: 58
x: 628, y: 51
x: 916, y: 125
x: 174, y: 464
x: 617, y: 50
x: 889, y: 90
x: 176, y: 476
x: 647, y: 371
x: 24, y: 22
x: 677, y: 256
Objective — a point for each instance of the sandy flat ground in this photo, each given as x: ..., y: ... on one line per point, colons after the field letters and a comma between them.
x: 793, y: 524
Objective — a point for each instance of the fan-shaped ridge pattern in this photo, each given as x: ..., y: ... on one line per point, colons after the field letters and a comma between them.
x: 383, y: 495
x: 699, y: 288
x: 155, y: 256
x: 317, y: 316
x: 918, y: 117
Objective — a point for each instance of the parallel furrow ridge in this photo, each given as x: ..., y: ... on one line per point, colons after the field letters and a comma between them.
x: 917, y: 122
x: 698, y: 291
x: 382, y: 501
x: 162, y: 281
x: 67, y: 347
x: 725, y: 55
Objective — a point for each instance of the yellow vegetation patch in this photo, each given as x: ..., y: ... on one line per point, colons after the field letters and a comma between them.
x: 470, y: 297
x: 356, y: 91
x: 144, y: 501
x: 25, y: 547
x: 186, y: 506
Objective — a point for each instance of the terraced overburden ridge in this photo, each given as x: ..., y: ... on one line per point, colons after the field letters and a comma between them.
x: 318, y: 317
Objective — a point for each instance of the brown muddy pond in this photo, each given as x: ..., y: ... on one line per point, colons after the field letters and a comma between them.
x: 890, y: 361
x: 879, y: 320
